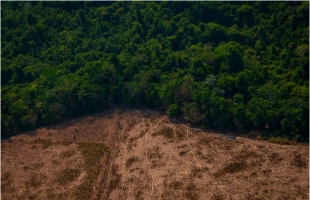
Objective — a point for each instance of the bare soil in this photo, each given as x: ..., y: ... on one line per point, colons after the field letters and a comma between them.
x: 141, y: 154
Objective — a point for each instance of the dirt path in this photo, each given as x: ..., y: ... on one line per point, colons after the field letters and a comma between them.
x: 143, y: 155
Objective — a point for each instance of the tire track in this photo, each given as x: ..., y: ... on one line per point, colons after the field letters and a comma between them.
x: 112, y: 156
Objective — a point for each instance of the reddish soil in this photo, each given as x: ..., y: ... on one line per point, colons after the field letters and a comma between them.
x: 146, y: 156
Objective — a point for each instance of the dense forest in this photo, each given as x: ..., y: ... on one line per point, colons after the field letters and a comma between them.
x: 229, y: 65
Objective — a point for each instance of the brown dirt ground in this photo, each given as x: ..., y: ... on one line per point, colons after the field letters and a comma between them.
x: 141, y: 154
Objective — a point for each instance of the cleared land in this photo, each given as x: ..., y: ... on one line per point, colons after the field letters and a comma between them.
x: 143, y: 155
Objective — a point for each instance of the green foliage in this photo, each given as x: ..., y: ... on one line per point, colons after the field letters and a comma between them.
x: 174, y: 110
x: 191, y: 112
x: 227, y: 65
x: 279, y: 140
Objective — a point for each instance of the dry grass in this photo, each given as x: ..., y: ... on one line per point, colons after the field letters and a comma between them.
x: 114, y: 183
x: 176, y: 185
x: 275, y: 158
x: 35, y: 180
x: 44, y: 142
x: 299, y: 162
x: 33, y: 166
x: 182, y: 153
x: 7, y: 188
x: 132, y: 140
x: 130, y: 161
x: 6, y: 176
x: 245, y: 153
x: 66, y: 143
x: 67, y: 154
x: 166, y: 131
x: 6, y: 182
x: 56, y: 162
x: 217, y: 197
x: 198, y: 172
x: 92, y: 153
x: 68, y: 176
x: 168, y: 161
x: 191, y: 191
x: 34, y: 147
x: 205, y: 141
x: 231, y: 168
x: 154, y: 153
x: 180, y: 133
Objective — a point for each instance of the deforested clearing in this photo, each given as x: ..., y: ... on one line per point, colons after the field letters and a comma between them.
x: 142, y: 154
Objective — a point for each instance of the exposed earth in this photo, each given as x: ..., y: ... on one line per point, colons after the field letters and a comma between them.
x: 142, y: 154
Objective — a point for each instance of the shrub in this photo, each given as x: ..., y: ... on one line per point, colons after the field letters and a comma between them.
x: 45, y: 143
x: 174, y: 110
x: 280, y: 140
x: 68, y: 176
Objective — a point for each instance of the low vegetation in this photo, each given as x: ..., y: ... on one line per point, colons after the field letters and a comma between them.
x: 68, y: 175
x: 130, y: 161
x: 166, y: 131
x: 199, y: 165
x: 116, y: 179
x: 92, y: 153
x: 67, y: 154
x: 35, y: 180
x: 299, y: 161
x: 231, y: 168
x: 281, y: 140
x: 44, y: 142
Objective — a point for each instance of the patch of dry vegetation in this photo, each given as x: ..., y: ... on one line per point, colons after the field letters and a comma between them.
x: 132, y: 124
x: 6, y: 182
x: 7, y: 187
x: 190, y: 191
x: 182, y: 153
x: 28, y: 195
x: 217, y: 197
x: 204, y: 141
x: 44, y: 142
x: 55, y: 162
x: 245, y: 153
x: 166, y: 131
x: 180, y: 133
x: 34, y: 147
x: 176, y: 185
x: 231, y: 168
x: 35, y: 180
x: 298, y: 161
x: 92, y: 153
x: 6, y: 176
x: 67, y: 154
x: 130, y: 161
x: 116, y: 179
x: 154, y: 153
x: 155, y: 157
x: 180, y: 165
x: 33, y: 166
x: 64, y: 143
x: 281, y: 140
x: 68, y: 175
x: 131, y: 141
x: 198, y: 172
x: 275, y: 158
